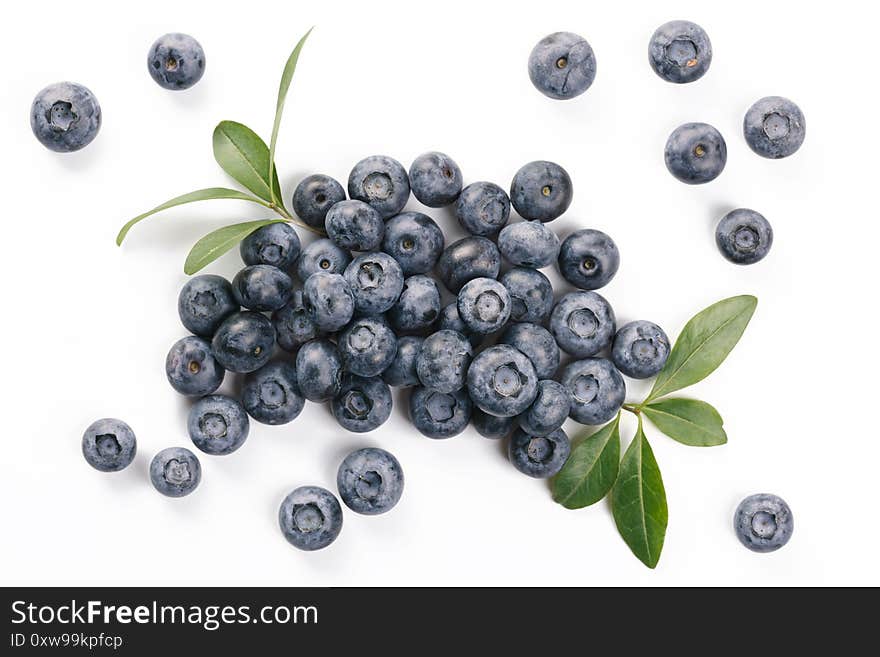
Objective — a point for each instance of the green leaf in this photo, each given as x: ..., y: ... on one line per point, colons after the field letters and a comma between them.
x: 243, y: 155
x: 703, y: 344
x: 199, y: 195
x: 591, y: 469
x: 286, y: 77
x: 688, y: 421
x: 216, y: 243
x: 638, y: 501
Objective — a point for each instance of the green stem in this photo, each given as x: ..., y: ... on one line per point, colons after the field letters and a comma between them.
x: 635, y: 409
x: 283, y: 212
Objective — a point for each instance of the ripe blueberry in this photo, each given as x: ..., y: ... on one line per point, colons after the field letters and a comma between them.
x: 370, y: 481
x: 443, y: 361
x: 744, y: 236
x: 695, y: 153
x: 596, y: 388
x: 539, y: 456
x: 537, y: 344
x: 484, y: 305
x: 262, y: 287
x: 502, y: 381
x: 293, y: 324
x: 435, y: 179
x: 376, y: 281
x: 275, y: 244
x: 218, y: 424
x: 380, y: 181
x: 467, y: 259
x: 109, y: 445
x: 271, y: 395
x: 774, y: 127
x: 314, y: 196
x: 355, y: 226
x: 439, y: 414
x: 562, y: 65
x: 65, y: 117
x: 541, y: 191
x: 531, y: 294
x: 402, y: 373
x: 329, y: 300
x: 204, y: 302
x: 414, y: 240
x: 583, y: 323
x: 310, y: 518
x: 319, y: 370
x: 680, y: 51
x: 483, y: 208
x: 191, y: 367
x: 418, y: 305
x: 588, y: 259
x: 640, y: 349
x: 763, y: 522
x: 175, y: 472
x: 244, y: 342
x: 176, y: 61
x: 528, y: 244
x: 324, y: 256
x: 549, y: 410
x: 363, y: 404
x: 367, y: 346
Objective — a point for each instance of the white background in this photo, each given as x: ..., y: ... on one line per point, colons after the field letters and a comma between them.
x: 87, y: 325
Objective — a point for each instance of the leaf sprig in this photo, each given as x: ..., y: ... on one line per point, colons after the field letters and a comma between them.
x: 244, y: 156
x: 638, y: 499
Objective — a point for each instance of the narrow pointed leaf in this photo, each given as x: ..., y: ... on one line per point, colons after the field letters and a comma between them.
x: 216, y: 243
x: 199, y: 195
x: 638, y: 501
x: 703, y: 344
x: 591, y: 469
x: 242, y: 154
x: 689, y: 421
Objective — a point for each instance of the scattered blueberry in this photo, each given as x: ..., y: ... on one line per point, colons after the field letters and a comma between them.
x: 774, y: 127
x: 640, y: 349
x: 483, y: 208
x: 262, y: 287
x: 65, y: 117
x: 541, y: 191
x: 763, y: 522
x: 539, y: 456
x: 680, y: 51
x: 314, y: 196
x: 376, y: 281
x: 175, y: 472
x: 528, y: 244
x: 310, y: 518
x: 492, y: 426
x: 218, y: 424
x: 402, y: 373
x: 744, y: 236
x: 109, y: 445
x: 293, y: 324
x: 415, y: 241
x: 271, y: 395
x: 439, y: 414
x: 380, y: 181
x: 549, y: 410
x: 319, y: 370
x: 502, y: 381
x: 275, y: 244
x: 484, y: 305
x: 449, y: 319
x: 443, y: 361
x: 204, y: 302
x: 367, y: 346
x: 322, y: 255
x: 355, y: 226
x: 176, y: 61
x: 418, y: 305
x: 695, y: 153
x: 531, y: 294
x: 583, y: 323
x: 191, y: 367
x: 537, y: 344
x: 363, y: 404
x: 597, y: 390
x: 588, y: 259
x: 435, y: 179
x: 467, y: 259
x: 370, y: 481
x: 562, y: 65
x: 244, y: 342
x: 328, y: 300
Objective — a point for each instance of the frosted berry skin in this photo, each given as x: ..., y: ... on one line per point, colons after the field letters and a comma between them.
x: 175, y: 472
x: 537, y: 344
x: 484, y: 305
x: 355, y: 226
x: 583, y: 323
x: 774, y: 127
x: 244, y: 342
x: 262, y: 287
x: 109, y: 445
x: 363, y: 404
x: 467, y: 259
x: 319, y: 370
x: 329, y: 301
x: 439, y: 414
x: 562, y: 65
x: 549, y: 410
x: 680, y: 52
x: 293, y: 324
x: 370, y: 481
x: 204, y: 302
x: 380, y: 181
x: 531, y: 294
x: 763, y: 522
x: 191, y: 367
x: 218, y: 424
x: 443, y: 361
x: 376, y: 281
x: 310, y: 518
x: 435, y: 179
x: 640, y: 349
x: 744, y: 236
x: 597, y: 390
x: 528, y: 244
x: 314, y: 196
x: 539, y: 456
x: 65, y: 117
x: 276, y: 244
x: 483, y: 208
x: 541, y: 191
x: 418, y: 306
x: 415, y: 241
x: 367, y: 346
x: 322, y: 255
x: 176, y: 61
x: 271, y: 395
x: 695, y: 153
x: 492, y: 426
x: 402, y: 372
x: 502, y: 381
x: 588, y: 259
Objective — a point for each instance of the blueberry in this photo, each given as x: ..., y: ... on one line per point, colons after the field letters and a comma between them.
x: 402, y: 372
x: 355, y: 226
x: 680, y: 51
x: 319, y: 370
x: 380, y: 181
x: 293, y: 324
x: 328, y: 300
x: 218, y: 424
x: 588, y: 259
x: 541, y: 191
x: 484, y: 305
x: 439, y: 414
x: 322, y: 255
x: 539, y: 456
x: 376, y: 281
x: 483, y: 208
x: 537, y: 344
x: 695, y: 153
x: 191, y: 367
x: 314, y: 196
x: 109, y: 445
x: 562, y: 65
x: 310, y: 518
x: 176, y: 61
x: 65, y: 117
x: 204, y: 302
x: 640, y: 349
x: 549, y: 410
x: 531, y: 294
x: 367, y: 346
x: 528, y: 244
x: 414, y: 240
x: 449, y: 319
x: 744, y: 236
x: 363, y: 404
x: 763, y: 522
x: 435, y: 179
x: 370, y: 481
x: 244, y: 342
x: 583, y: 323
x: 502, y: 381
x: 492, y: 426
x: 443, y: 361
x: 596, y: 388
x: 276, y: 244
x: 262, y: 287
x: 774, y: 127
x: 175, y: 472
x: 467, y: 259
x: 271, y: 395
x: 418, y: 305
